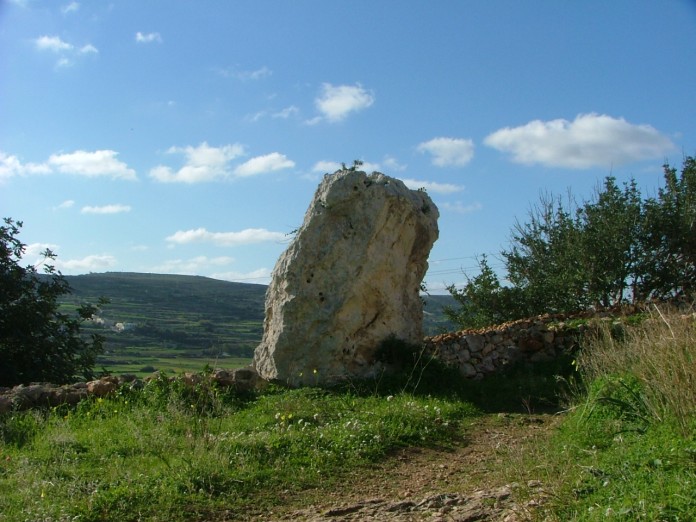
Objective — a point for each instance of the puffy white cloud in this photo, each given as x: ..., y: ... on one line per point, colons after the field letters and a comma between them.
x: 88, y: 49
x: 338, y: 101
x: 148, y: 37
x: 326, y: 167
x: 35, y: 251
x: 10, y: 165
x: 262, y: 164
x: 448, y: 152
x: 87, y: 264
x: 431, y: 186
x: 106, y: 209
x: 591, y: 140
x: 52, y: 43
x: 65, y: 50
x: 203, y: 163
x: 92, y: 164
x: 244, y: 237
x: 459, y: 208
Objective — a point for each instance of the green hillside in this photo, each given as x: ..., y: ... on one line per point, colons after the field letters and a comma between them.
x: 172, y: 322
x: 175, y: 322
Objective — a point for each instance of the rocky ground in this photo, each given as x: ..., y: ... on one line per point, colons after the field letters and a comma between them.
x: 483, y: 475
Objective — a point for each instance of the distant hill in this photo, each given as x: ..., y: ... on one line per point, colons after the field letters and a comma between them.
x: 156, y: 320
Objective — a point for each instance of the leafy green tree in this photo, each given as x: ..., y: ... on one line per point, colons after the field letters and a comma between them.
x: 544, y: 263
x: 37, y: 341
x: 669, y: 260
x: 610, y: 244
x: 615, y: 248
x: 483, y: 300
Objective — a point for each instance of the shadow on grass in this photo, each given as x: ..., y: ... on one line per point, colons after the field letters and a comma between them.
x: 543, y: 387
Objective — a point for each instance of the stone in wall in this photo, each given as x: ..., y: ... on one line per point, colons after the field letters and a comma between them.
x: 349, y: 279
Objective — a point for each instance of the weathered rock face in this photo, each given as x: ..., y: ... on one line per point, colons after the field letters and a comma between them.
x: 349, y: 279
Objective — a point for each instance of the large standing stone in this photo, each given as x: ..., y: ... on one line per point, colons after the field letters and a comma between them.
x: 349, y: 279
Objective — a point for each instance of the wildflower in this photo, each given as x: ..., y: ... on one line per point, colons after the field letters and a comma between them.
x: 315, y: 371
x: 390, y: 398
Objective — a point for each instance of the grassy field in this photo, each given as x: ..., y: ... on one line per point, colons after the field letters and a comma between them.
x: 624, y: 447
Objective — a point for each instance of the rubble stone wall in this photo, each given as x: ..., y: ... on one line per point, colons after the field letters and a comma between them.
x: 477, y: 353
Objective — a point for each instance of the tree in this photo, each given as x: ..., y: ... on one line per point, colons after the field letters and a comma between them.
x: 483, y: 300
x: 611, y: 247
x: 615, y: 248
x: 669, y: 261
x: 38, y: 342
x: 544, y: 263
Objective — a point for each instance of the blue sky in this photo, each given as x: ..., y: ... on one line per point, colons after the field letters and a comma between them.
x: 189, y: 137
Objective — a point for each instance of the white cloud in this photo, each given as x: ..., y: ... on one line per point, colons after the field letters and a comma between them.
x: 448, y: 152
x: 393, y: 165
x: 459, y: 208
x: 338, y: 101
x: 194, y: 265
x: 431, y: 186
x: 68, y: 203
x: 591, y: 140
x: 259, y: 276
x: 106, y: 209
x: 11, y: 165
x: 53, y: 44
x: 262, y: 164
x: 286, y: 112
x: 326, y: 167
x: 70, y: 8
x: 35, y: 251
x: 148, y: 37
x: 65, y: 50
x: 244, y: 237
x: 203, y: 163
x: 88, y: 49
x: 92, y: 164
x: 257, y: 74
x: 87, y: 264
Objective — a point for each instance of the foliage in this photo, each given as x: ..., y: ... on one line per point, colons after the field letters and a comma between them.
x: 614, y: 249
x: 37, y: 341
x: 483, y: 301
x: 669, y: 256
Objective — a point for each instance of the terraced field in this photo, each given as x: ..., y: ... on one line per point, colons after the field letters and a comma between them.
x: 172, y: 322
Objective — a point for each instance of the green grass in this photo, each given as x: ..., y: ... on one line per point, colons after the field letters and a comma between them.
x: 172, y: 453
x: 627, y: 449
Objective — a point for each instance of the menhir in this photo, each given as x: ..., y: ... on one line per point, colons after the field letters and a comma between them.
x: 349, y: 280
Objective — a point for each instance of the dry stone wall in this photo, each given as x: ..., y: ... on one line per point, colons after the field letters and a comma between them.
x: 477, y: 353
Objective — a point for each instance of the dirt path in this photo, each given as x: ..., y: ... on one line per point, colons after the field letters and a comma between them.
x: 483, y: 475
